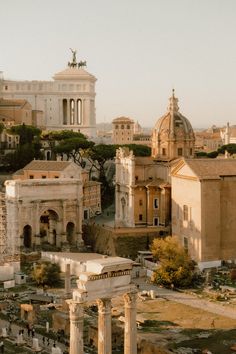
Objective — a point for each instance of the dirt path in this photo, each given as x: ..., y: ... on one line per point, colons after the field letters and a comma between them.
x: 190, y: 300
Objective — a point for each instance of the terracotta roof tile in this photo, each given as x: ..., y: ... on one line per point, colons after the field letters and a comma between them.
x: 41, y: 165
x: 212, y: 168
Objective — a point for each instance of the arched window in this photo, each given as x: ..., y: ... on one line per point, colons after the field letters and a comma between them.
x: 72, y: 111
x: 64, y: 104
x: 79, y: 111
x: 122, y: 126
x: 185, y: 212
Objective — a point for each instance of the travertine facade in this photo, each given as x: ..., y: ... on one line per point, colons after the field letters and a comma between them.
x: 44, y: 210
x: 204, y: 208
x: 68, y: 102
x: 38, y: 169
x: 173, y: 135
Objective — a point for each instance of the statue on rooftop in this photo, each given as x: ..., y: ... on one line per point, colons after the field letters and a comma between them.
x: 73, y: 63
x: 73, y: 56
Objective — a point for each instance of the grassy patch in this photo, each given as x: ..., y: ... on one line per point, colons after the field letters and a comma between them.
x: 219, y: 341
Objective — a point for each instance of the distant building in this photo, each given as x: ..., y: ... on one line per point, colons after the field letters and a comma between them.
x: 204, y: 209
x: 15, y: 111
x: 228, y: 134
x: 66, y: 103
x: 123, y: 130
x: 126, y: 131
x: 173, y: 135
x: 209, y: 139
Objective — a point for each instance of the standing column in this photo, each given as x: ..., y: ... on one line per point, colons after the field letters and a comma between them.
x: 76, y: 327
x: 130, y: 342
x: 67, y: 280
x: 104, y: 326
x: 68, y: 112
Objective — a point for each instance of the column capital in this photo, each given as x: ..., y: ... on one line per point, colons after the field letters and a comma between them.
x: 130, y: 298
x: 76, y: 309
x: 104, y: 305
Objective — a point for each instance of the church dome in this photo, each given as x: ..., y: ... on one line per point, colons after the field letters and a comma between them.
x: 173, y: 134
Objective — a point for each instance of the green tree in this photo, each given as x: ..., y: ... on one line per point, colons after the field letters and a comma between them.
x: 139, y: 150
x: 212, y: 154
x: 175, y: 266
x: 46, y: 273
x: 231, y: 148
x: 74, y: 148
x: 27, y: 133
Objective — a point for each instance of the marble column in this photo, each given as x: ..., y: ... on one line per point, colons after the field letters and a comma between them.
x: 67, y: 280
x: 76, y: 327
x: 104, y: 326
x: 130, y: 335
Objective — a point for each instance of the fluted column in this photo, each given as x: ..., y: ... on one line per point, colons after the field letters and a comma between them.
x: 76, y: 327
x: 104, y: 326
x: 130, y: 340
x: 68, y: 112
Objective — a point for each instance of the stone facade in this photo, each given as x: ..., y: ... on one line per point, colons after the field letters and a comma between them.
x: 44, y: 210
x: 203, y: 216
x: 123, y: 130
x: 38, y: 169
x: 126, y: 131
x: 173, y: 135
x: 14, y: 112
x: 68, y: 102
x: 101, y: 280
x: 142, y: 198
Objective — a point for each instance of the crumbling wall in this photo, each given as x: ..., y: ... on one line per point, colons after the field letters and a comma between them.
x: 115, y: 242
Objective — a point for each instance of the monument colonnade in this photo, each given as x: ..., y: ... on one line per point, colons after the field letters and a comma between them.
x: 104, y: 325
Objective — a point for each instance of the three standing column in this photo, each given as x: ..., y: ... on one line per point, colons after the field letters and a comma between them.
x: 130, y: 340
x: 104, y: 326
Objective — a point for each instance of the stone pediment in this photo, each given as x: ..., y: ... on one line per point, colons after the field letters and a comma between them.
x: 183, y: 170
x: 106, y: 265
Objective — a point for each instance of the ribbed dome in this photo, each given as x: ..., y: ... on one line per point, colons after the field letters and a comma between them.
x: 173, y: 128
x: 173, y: 124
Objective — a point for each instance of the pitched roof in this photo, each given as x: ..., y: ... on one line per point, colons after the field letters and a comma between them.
x: 41, y: 165
x: 212, y: 168
x: 12, y: 102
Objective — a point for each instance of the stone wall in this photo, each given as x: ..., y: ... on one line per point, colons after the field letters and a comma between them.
x: 121, y: 242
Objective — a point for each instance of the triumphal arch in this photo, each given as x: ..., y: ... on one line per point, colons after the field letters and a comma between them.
x: 44, y: 211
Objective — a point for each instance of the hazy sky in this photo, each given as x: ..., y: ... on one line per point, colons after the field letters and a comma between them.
x: 138, y: 50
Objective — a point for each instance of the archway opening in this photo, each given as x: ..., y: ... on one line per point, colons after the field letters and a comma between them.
x: 70, y: 232
x: 123, y: 208
x: 27, y: 235
x: 49, y: 227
